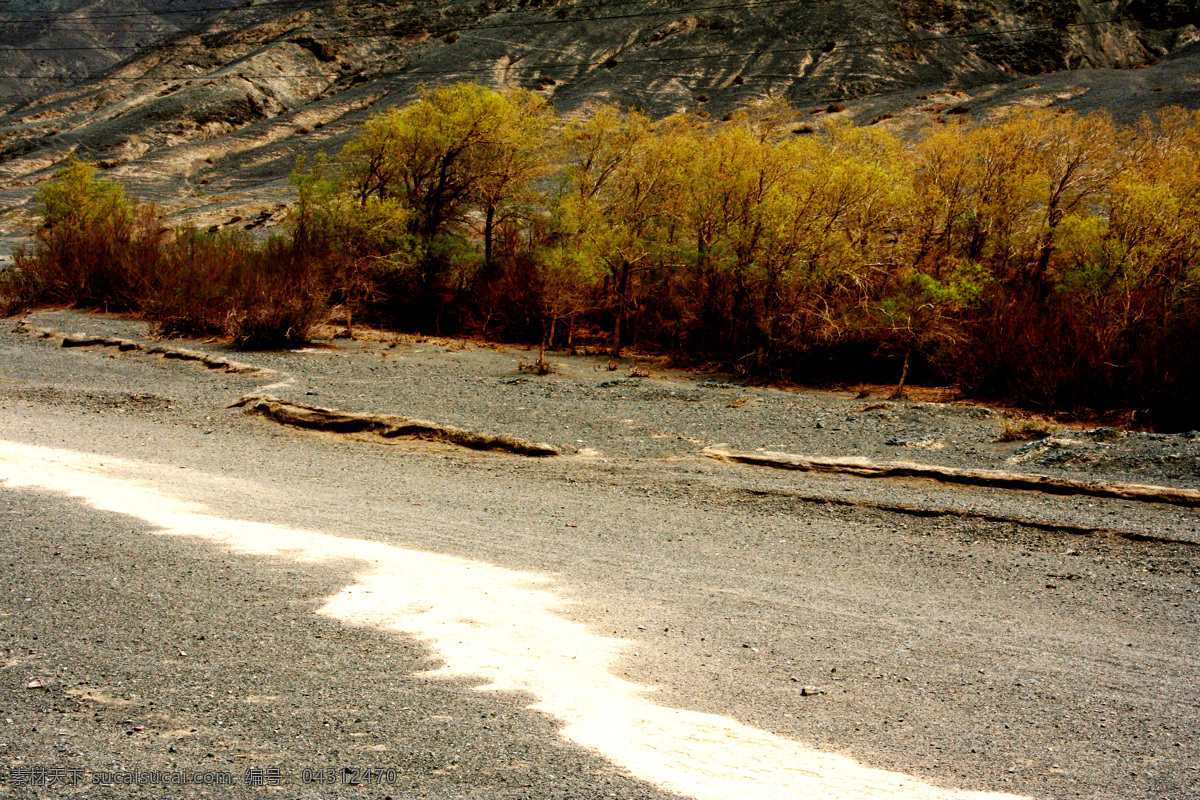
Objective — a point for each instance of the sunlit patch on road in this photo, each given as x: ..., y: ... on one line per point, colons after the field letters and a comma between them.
x: 502, y: 626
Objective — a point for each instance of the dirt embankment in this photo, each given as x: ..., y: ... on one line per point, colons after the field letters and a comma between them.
x: 383, y: 427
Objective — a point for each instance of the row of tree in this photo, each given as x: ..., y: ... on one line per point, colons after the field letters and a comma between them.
x: 1044, y: 257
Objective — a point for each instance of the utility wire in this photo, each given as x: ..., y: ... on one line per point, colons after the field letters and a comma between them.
x: 304, y: 4
x: 484, y: 26
x: 527, y: 23
x: 166, y: 12
x: 470, y: 26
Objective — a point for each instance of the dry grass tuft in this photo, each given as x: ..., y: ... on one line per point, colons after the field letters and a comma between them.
x: 1024, y: 430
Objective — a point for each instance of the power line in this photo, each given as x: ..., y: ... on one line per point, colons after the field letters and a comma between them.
x: 313, y: 4
x: 494, y: 25
x: 484, y: 26
x: 165, y: 12
x: 470, y: 28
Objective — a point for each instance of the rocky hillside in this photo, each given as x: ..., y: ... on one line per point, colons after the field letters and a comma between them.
x: 204, y: 106
x: 49, y: 44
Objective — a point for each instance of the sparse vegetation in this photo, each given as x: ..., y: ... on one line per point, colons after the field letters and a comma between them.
x: 225, y: 283
x: 95, y: 248
x: 1047, y: 258
x: 89, y: 248
x: 277, y: 301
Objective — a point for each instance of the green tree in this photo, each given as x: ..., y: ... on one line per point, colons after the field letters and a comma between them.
x: 93, y: 245
x: 513, y: 156
x: 615, y: 177
x: 457, y: 150
x: 360, y: 241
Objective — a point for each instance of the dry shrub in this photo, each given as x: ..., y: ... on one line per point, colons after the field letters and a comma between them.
x: 276, y: 301
x: 1023, y: 430
x: 225, y: 283
x: 1135, y: 350
x: 539, y: 367
x: 93, y: 248
x: 189, y: 292
x: 18, y: 291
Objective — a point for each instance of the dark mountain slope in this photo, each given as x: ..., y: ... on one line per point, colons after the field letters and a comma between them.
x: 49, y: 44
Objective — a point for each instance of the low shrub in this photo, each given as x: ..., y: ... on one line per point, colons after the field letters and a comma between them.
x: 275, y: 299
x: 263, y: 296
x: 1023, y: 430
x: 92, y: 248
x: 188, y: 293
x: 95, y: 248
x: 17, y: 291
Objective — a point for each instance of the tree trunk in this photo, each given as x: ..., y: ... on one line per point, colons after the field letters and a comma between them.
x: 350, y: 301
x: 546, y: 333
x: 619, y: 322
x: 899, y: 393
x: 488, y: 229
x: 1053, y: 217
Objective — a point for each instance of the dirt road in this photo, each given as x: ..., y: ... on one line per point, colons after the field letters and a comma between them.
x: 191, y: 590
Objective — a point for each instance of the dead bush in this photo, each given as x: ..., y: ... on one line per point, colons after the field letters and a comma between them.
x: 189, y: 291
x: 539, y: 367
x: 276, y: 301
x: 224, y: 283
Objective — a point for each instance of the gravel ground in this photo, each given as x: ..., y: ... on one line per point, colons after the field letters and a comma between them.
x: 220, y: 687
x: 627, y: 423
x: 976, y: 654
x: 583, y: 404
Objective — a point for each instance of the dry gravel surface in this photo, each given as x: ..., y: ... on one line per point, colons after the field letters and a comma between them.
x: 190, y: 588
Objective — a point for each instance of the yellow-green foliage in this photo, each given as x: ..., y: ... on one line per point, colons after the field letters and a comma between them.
x: 1048, y: 257
x: 88, y: 246
x: 1044, y: 256
x: 75, y: 198
x: 456, y: 149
